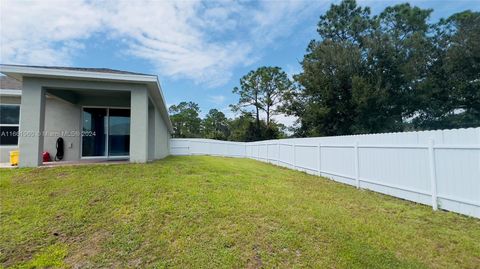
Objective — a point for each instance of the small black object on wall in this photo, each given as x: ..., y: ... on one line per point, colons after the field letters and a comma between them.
x: 60, y: 149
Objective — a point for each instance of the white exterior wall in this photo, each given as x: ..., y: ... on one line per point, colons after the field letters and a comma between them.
x: 438, y: 168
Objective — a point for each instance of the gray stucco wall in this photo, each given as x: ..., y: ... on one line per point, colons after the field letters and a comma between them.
x: 61, y: 116
x: 10, y: 100
x: 5, y: 153
x: 162, y: 137
x: 151, y: 131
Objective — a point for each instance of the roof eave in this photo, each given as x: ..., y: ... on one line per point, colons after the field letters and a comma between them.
x: 18, y: 72
x: 10, y: 92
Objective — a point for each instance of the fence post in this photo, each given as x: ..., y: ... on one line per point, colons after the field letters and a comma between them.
x: 294, y: 156
x: 357, y: 166
x: 245, y: 151
x: 190, y: 147
x: 267, y: 153
x: 258, y: 151
x: 433, y: 176
x: 319, y: 159
x: 278, y: 152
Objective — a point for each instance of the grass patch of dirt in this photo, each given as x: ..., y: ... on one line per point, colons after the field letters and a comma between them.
x: 212, y: 212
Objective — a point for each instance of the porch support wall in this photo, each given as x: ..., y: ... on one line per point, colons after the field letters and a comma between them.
x: 32, y: 123
x: 139, y: 125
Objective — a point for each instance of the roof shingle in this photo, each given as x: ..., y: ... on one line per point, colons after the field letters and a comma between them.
x: 10, y: 83
x: 86, y: 69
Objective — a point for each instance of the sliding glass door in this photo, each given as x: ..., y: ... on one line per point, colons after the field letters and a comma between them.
x: 119, y: 132
x: 106, y: 132
x: 94, y: 135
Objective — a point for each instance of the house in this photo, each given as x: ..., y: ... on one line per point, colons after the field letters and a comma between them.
x: 100, y: 114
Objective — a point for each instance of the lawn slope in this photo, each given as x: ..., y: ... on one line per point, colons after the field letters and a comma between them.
x: 208, y: 212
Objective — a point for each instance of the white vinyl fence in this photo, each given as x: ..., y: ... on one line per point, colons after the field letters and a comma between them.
x: 437, y: 168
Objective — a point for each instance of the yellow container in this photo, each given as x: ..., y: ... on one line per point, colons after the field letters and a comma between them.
x: 14, y: 157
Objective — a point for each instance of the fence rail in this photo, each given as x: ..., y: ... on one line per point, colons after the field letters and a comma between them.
x: 436, y: 168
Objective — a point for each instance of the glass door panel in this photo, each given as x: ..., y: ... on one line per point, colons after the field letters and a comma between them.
x: 94, y: 135
x: 119, y: 132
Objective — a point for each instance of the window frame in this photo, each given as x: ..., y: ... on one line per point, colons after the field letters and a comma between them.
x: 10, y: 124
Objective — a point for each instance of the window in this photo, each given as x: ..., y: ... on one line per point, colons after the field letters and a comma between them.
x: 9, y: 120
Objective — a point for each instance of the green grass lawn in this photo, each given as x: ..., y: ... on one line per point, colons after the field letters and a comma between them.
x: 194, y: 212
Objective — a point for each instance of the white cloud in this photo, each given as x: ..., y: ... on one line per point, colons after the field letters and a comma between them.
x: 201, y: 41
x: 288, y: 121
x: 217, y: 99
x: 175, y: 40
x: 293, y: 69
x: 45, y: 32
x: 229, y: 113
x: 276, y: 19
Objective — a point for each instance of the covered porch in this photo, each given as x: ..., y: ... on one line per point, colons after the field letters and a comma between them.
x: 99, y: 120
x: 95, y: 120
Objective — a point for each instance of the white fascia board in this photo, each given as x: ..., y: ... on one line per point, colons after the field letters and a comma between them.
x: 169, y: 123
x: 20, y: 71
x: 61, y: 73
x: 10, y: 92
x: 159, y: 99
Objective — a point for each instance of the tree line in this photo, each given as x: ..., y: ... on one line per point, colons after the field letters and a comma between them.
x: 365, y: 73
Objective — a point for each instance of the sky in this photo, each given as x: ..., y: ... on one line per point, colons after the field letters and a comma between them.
x: 198, y: 49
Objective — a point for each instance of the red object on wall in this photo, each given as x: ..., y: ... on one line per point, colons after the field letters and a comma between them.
x: 46, y: 156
